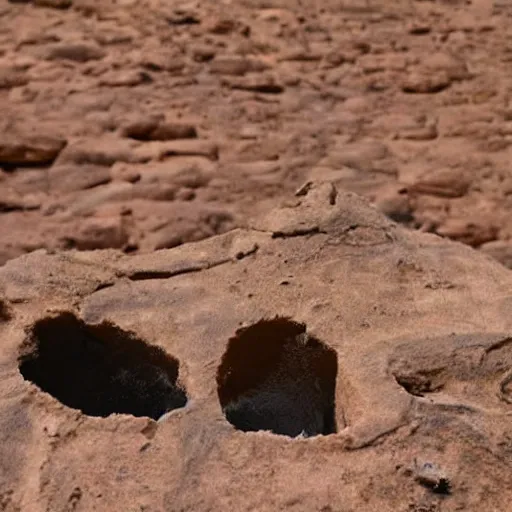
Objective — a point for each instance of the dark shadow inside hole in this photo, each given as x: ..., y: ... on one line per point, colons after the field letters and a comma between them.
x: 100, y: 369
x: 274, y: 376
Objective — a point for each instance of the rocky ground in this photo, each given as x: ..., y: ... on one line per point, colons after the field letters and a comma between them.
x: 386, y: 377
x: 312, y: 151
x: 143, y: 125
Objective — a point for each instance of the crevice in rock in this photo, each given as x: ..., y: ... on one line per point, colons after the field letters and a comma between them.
x: 5, y: 314
x: 100, y: 369
x: 146, y: 275
x: 274, y: 376
x: 297, y: 232
x: 13, y: 166
x: 505, y: 393
x: 6, y: 207
x: 499, y: 345
x: 104, y: 286
x: 421, y: 382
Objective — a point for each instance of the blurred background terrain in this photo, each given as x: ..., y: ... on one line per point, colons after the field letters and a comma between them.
x: 144, y: 125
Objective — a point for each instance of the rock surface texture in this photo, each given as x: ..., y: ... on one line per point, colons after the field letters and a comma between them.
x: 380, y: 357
x: 140, y: 125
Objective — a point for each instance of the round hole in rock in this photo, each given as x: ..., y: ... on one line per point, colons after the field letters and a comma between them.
x: 274, y: 376
x: 100, y: 369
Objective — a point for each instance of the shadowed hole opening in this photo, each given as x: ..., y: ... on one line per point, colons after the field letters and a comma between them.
x: 274, y: 376
x: 100, y: 369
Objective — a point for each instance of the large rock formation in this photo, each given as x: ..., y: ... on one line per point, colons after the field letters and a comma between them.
x: 380, y: 358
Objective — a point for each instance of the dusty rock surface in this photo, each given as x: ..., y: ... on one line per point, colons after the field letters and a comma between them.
x: 380, y: 357
x: 140, y: 125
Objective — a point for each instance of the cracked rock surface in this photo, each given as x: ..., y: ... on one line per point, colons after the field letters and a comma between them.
x: 403, y: 337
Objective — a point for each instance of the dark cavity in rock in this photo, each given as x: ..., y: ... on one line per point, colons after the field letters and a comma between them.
x: 421, y: 382
x: 5, y: 314
x: 274, y: 376
x: 100, y: 369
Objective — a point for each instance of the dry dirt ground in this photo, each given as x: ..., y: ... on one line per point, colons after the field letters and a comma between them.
x: 142, y: 125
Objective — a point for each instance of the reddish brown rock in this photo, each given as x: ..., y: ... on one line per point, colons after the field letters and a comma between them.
x: 236, y: 66
x: 78, y: 52
x: 395, y: 203
x: 500, y: 250
x: 177, y: 16
x: 121, y: 171
x: 20, y: 150
x: 443, y: 183
x: 207, y: 223
x: 99, y: 151
x: 259, y: 83
x: 454, y: 66
x: 11, y: 77
x: 28, y: 181
x: 11, y: 200
x: 182, y: 171
x: 156, y: 128
x: 160, y: 60
x: 419, y: 28
x: 203, y: 53
x: 129, y: 78
x: 365, y: 155
x: 272, y: 94
x: 110, y: 361
x: 97, y: 233
x: 187, y: 147
x: 56, y: 4
x: 154, y: 191
x: 474, y: 233
x: 66, y: 178
x: 426, y: 82
x: 225, y: 26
